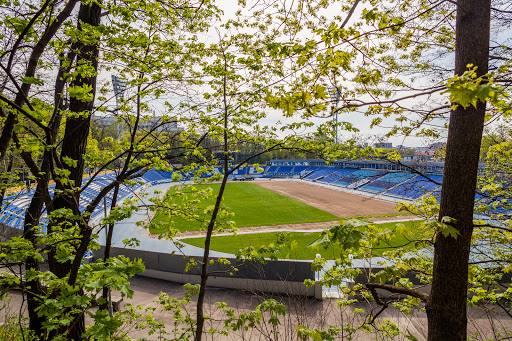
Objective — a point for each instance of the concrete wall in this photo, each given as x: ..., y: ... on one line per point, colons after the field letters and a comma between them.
x: 7, y: 232
x: 282, y: 276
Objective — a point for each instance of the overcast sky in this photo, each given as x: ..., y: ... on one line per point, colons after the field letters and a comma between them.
x: 359, y: 120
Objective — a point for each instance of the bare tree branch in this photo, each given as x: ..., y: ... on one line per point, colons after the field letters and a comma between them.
x: 398, y: 290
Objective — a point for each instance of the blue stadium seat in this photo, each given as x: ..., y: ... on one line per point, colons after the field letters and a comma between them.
x: 387, y: 181
x: 336, y: 174
x: 272, y: 170
x: 318, y: 173
x: 359, y: 175
x: 418, y: 186
x: 285, y: 169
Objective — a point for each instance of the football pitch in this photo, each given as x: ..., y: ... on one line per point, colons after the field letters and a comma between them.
x: 251, y: 204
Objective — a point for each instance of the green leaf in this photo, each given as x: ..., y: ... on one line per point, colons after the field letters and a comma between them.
x: 31, y: 80
x: 82, y: 93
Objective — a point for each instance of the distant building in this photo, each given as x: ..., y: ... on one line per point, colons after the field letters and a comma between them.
x: 437, y: 145
x: 157, y: 123
x: 154, y: 123
x: 384, y: 145
x: 420, y: 156
x: 432, y: 147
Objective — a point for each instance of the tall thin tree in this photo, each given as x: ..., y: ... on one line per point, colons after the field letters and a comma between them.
x: 446, y: 307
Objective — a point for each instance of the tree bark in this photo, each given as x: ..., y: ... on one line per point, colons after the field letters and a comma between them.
x: 41, y: 196
x: 74, y: 147
x: 446, y: 308
x: 5, y: 179
x: 77, y: 128
x: 37, y: 51
x: 211, y: 225
x: 108, y: 245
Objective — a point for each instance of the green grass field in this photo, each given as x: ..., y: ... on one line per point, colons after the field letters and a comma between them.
x: 252, y: 205
x: 299, y: 249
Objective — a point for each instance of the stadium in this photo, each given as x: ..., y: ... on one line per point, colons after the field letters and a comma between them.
x: 376, y: 179
x: 299, y: 197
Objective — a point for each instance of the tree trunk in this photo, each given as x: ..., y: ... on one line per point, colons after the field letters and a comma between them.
x: 5, y: 179
x: 32, y: 217
x: 41, y: 195
x: 211, y: 225
x: 77, y: 128
x: 108, y: 245
x: 37, y: 51
x: 73, y: 147
x: 446, y: 309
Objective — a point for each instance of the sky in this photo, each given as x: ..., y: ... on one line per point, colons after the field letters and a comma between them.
x: 358, y: 119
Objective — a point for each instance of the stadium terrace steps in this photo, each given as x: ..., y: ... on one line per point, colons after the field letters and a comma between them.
x: 309, y: 171
x: 417, y: 186
x: 359, y: 183
x: 152, y: 176
x: 285, y: 169
x: 355, y: 178
x: 272, y: 169
x: 386, y: 182
x: 299, y: 169
x: 336, y: 174
x: 319, y: 173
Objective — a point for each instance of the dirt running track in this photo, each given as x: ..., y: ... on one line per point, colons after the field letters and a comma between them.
x: 341, y: 204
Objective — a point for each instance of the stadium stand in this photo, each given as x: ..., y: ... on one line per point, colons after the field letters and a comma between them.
x: 152, y: 176
x: 309, y: 171
x: 319, y: 173
x: 14, y: 207
x: 285, y: 170
x: 358, y: 176
x: 299, y: 169
x: 386, y: 182
x: 418, y: 186
x: 271, y: 171
x: 336, y: 174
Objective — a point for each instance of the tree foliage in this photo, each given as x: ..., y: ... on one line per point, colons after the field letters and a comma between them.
x: 257, y: 85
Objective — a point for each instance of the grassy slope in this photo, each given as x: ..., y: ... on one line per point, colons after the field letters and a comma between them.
x: 299, y: 250
x: 254, y: 206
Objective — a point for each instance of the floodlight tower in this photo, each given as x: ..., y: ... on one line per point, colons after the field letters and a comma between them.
x: 335, y: 94
x: 119, y: 89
